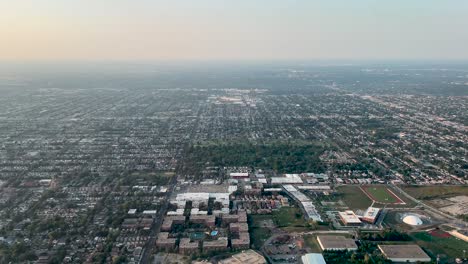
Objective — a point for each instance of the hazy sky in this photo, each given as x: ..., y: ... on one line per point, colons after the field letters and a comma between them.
x: 237, y: 29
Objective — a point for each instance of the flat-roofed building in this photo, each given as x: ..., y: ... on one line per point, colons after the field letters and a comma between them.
x: 349, y: 218
x: 336, y: 243
x: 242, y: 216
x: 129, y: 223
x: 243, y: 242
x: 187, y: 247
x: 230, y: 218
x: 314, y: 187
x: 220, y: 213
x: 151, y: 213
x: 164, y: 242
x: 305, y: 203
x: 238, y: 227
x: 146, y: 223
x: 272, y: 190
x: 171, y: 220
x: 215, y: 245
x: 313, y: 258
x: 371, y: 215
x: 179, y: 211
x: 287, y: 179
x: 208, y: 220
x: 245, y: 257
x: 239, y: 175
x: 404, y: 253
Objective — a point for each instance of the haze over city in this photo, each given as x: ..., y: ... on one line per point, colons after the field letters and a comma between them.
x: 233, y: 30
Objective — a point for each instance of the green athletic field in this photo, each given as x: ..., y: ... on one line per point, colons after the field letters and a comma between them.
x: 381, y: 194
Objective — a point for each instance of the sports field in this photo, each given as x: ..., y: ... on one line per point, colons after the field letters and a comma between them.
x: 354, y: 197
x: 381, y: 194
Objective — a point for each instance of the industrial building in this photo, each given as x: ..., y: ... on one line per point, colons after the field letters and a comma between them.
x: 404, y: 253
x: 287, y: 179
x: 305, y: 202
x: 336, y: 243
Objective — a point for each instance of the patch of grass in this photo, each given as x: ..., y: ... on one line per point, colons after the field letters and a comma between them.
x: 258, y: 232
x: 311, y: 242
x: 448, y: 248
x: 258, y: 220
x: 259, y: 235
x: 431, y: 192
x: 289, y: 217
x: 353, y: 197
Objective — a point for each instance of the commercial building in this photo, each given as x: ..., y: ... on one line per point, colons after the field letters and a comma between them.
x: 404, y: 253
x: 349, y: 218
x: 336, y: 243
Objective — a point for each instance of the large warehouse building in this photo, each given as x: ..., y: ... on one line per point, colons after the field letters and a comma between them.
x: 404, y: 253
x: 336, y: 243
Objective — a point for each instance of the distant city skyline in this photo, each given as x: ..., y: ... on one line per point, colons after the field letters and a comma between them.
x: 233, y: 30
